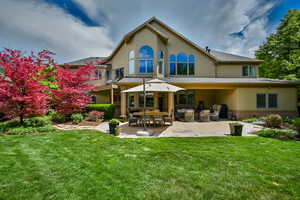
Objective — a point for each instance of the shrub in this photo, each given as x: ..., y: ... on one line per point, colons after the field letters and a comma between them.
x: 22, y: 130
x: 276, y: 133
x: 77, y: 118
x: 297, y: 125
x: 5, y: 126
x: 55, y: 117
x: 37, y: 121
x: 114, y: 121
x: 250, y: 120
x: 273, y: 121
x: 108, y: 109
x: 95, y: 116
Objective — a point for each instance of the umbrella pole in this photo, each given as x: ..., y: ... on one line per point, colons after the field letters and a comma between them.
x: 144, y: 108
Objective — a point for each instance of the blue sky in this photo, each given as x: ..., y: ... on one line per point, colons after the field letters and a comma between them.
x: 80, y: 28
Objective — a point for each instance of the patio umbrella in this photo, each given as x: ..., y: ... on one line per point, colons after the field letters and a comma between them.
x: 154, y: 85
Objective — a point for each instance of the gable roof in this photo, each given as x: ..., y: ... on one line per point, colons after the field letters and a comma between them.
x: 216, y: 56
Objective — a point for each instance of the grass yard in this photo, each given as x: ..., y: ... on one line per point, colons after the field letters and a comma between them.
x: 92, y: 165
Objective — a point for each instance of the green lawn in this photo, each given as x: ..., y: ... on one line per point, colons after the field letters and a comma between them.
x: 92, y: 165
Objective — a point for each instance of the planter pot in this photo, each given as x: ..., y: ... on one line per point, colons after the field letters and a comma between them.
x: 236, y: 129
x: 114, y: 129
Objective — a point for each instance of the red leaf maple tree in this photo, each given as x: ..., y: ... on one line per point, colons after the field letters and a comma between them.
x: 21, y: 93
x: 72, y: 94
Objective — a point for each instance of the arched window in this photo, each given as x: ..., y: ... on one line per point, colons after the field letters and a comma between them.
x: 146, y: 60
x: 161, y: 63
x: 182, y: 64
x: 172, y: 62
x: 131, y: 62
x: 191, y: 69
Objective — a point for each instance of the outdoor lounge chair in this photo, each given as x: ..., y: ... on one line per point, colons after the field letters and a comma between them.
x: 204, y: 115
x: 169, y: 118
x: 215, y: 115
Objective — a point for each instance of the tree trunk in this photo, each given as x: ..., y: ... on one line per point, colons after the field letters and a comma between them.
x: 21, y: 119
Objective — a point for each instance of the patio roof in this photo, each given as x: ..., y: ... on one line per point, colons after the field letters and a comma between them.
x: 214, y: 80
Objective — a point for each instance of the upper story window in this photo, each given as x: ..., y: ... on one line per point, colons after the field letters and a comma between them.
x: 182, y: 64
x: 119, y: 73
x: 131, y: 62
x: 249, y: 71
x: 146, y: 60
x: 161, y: 63
x: 98, y: 74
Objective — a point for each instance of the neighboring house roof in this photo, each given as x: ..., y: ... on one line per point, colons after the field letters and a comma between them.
x: 213, y: 80
x: 100, y: 60
x: 227, y: 57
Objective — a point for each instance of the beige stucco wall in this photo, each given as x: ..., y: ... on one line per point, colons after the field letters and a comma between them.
x: 205, y: 66
x: 287, y: 98
x: 231, y: 70
x: 102, y: 97
x: 141, y: 38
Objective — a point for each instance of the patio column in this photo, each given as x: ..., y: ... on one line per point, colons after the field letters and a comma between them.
x: 171, y: 103
x: 123, y: 103
x: 112, y: 96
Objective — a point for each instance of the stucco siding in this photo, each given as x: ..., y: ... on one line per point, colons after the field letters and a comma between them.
x: 205, y: 66
x: 141, y: 38
x: 287, y: 98
x: 231, y: 70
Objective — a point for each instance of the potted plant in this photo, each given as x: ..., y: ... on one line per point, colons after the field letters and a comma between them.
x: 236, y: 129
x: 114, y: 127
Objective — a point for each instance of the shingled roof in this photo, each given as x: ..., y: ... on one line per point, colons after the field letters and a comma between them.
x: 86, y: 60
x: 227, y: 57
x: 214, y: 80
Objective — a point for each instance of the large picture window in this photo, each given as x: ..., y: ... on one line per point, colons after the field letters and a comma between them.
x: 149, y: 100
x: 182, y: 64
x: 131, y: 62
x: 267, y: 101
x: 146, y: 60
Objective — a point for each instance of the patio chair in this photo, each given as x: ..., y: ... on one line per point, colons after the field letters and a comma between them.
x: 216, y: 113
x: 158, y: 121
x: 204, y: 115
x: 133, y: 120
x: 169, y: 118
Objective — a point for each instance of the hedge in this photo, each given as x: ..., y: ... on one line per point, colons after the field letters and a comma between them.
x: 108, y: 109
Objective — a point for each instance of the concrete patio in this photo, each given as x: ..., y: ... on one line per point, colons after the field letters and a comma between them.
x: 184, y: 129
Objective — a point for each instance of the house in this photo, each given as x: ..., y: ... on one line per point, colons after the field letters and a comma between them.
x: 154, y: 50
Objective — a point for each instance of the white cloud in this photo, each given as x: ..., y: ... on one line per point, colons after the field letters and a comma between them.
x: 32, y: 25
x: 205, y: 22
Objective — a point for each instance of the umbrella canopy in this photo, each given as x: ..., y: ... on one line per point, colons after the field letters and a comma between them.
x: 155, y: 85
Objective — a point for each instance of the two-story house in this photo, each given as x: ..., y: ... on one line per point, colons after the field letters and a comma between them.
x: 154, y: 50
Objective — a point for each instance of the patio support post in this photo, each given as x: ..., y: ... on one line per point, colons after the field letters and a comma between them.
x: 123, y: 103
x: 171, y: 103
x: 112, y: 95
